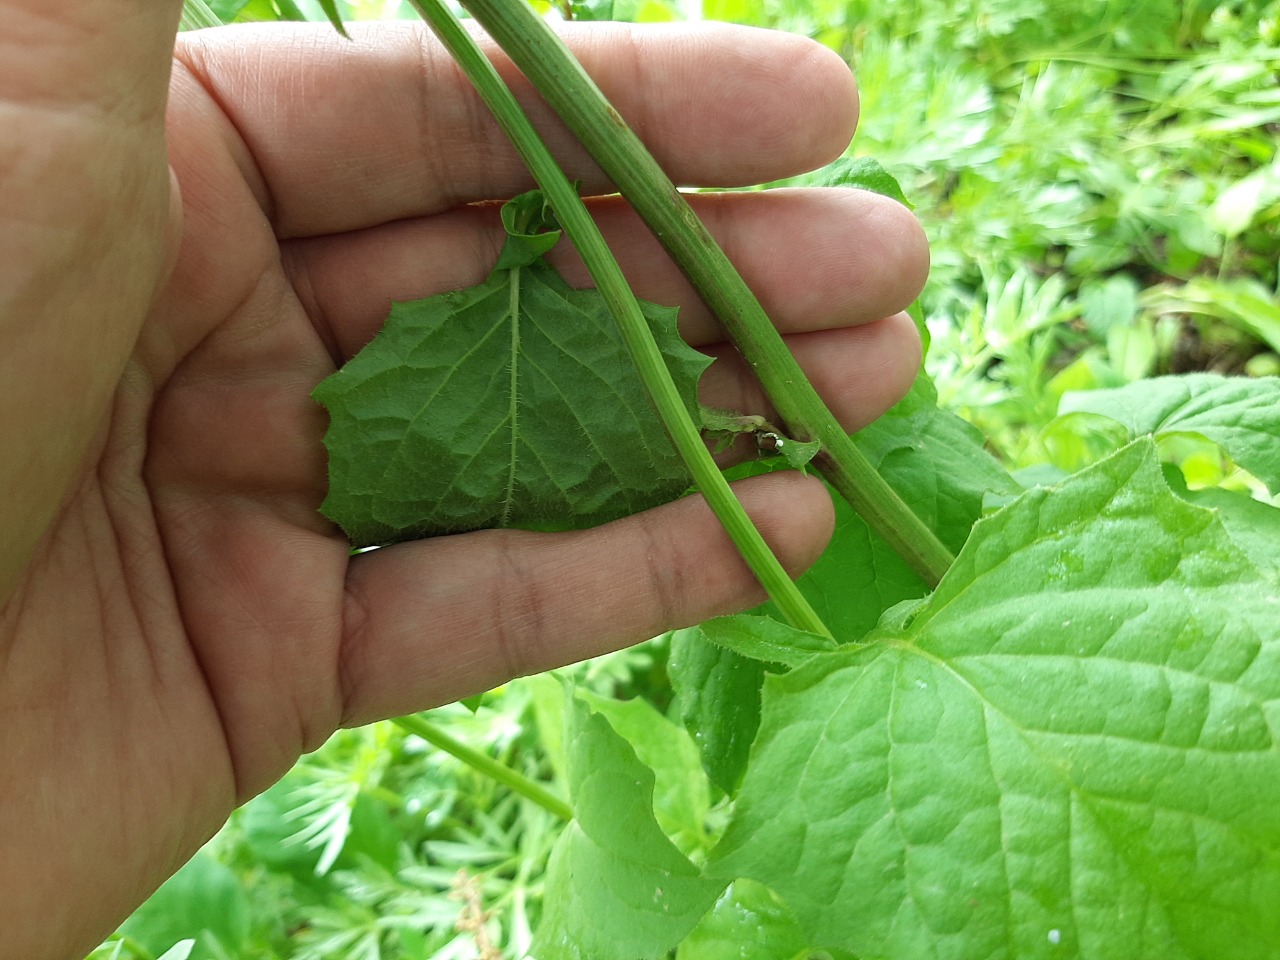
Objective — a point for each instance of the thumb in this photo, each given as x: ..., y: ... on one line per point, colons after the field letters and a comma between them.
x: 106, y: 54
x: 84, y: 222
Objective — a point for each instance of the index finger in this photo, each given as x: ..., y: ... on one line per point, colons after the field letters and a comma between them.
x: 342, y: 134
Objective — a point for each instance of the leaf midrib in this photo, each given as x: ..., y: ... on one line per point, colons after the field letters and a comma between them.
x: 513, y: 312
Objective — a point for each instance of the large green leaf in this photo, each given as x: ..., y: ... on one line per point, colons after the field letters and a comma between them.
x: 717, y: 698
x: 512, y: 403
x: 1070, y: 750
x: 939, y: 465
x: 616, y: 887
x: 681, y: 796
x: 1240, y: 414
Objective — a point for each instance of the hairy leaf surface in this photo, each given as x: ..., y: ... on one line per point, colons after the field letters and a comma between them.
x: 1070, y: 750
x: 512, y: 403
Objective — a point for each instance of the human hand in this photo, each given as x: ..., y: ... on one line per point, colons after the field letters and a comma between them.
x: 179, y: 621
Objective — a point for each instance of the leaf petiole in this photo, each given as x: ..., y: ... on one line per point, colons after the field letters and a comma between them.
x: 485, y: 764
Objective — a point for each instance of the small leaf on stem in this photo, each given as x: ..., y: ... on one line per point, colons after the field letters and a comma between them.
x: 510, y: 404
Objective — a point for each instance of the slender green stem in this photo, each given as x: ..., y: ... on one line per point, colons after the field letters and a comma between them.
x: 585, y: 235
x: 544, y: 59
x: 517, y: 782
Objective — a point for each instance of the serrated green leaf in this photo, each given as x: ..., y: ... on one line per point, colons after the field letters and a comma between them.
x: 717, y: 698
x: 938, y: 464
x: 1240, y: 414
x: 512, y: 403
x: 616, y: 887
x: 1070, y: 750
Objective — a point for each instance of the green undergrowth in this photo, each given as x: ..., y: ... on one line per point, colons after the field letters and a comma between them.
x: 1067, y: 749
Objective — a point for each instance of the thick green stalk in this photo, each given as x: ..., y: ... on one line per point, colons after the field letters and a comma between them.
x: 585, y: 235
x: 545, y: 60
x: 517, y: 782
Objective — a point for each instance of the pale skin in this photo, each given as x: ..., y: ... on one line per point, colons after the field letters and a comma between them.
x: 178, y: 623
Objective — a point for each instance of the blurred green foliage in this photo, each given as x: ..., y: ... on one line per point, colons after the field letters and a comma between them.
x: 1101, y: 186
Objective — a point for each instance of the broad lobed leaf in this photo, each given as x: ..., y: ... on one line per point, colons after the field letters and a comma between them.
x: 1070, y: 750
x: 681, y: 797
x: 937, y: 462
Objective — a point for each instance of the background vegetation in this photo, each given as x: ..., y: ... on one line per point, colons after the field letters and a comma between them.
x: 1101, y: 185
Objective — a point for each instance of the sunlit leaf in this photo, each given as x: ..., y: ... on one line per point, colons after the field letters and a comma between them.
x: 617, y: 889
x: 1240, y: 414
x: 1070, y: 749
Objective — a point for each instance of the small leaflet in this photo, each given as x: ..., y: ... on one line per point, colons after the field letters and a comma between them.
x: 513, y: 403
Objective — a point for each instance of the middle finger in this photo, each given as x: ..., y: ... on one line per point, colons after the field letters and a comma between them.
x: 817, y: 260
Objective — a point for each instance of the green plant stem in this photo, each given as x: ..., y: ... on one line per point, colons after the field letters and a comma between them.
x: 516, y: 782
x: 607, y: 275
x: 545, y: 60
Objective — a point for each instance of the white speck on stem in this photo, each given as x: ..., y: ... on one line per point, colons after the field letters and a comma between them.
x: 1055, y: 936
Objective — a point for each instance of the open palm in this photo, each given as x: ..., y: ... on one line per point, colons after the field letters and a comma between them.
x: 181, y: 623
